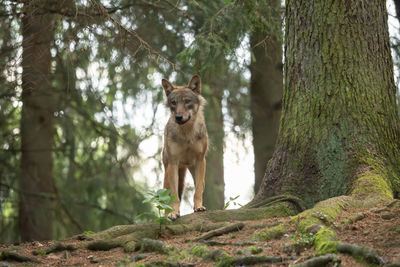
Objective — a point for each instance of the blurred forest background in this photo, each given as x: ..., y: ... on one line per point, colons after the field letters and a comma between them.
x: 81, y: 106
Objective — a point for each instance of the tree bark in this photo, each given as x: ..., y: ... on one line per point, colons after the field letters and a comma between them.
x: 266, y: 88
x: 214, y: 197
x: 397, y: 6
x: 36, y: 181
x: 339, y: 119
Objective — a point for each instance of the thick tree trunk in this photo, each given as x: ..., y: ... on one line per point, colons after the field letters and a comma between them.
x: 339, y: 119
x: 214, y: 197
x: 266, y: 95
x: 36, y: 182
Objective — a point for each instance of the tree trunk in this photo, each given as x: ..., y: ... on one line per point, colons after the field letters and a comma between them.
x: 265, y: 95
x: 213, y: 195
x: 36, y: 182
x: 339, y: 119
x: 397, y: 6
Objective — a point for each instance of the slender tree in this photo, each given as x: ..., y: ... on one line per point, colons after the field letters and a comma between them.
x: 266, y: 88
x: 214, y: 197
x: 397, y: 7
x: 36, y: 181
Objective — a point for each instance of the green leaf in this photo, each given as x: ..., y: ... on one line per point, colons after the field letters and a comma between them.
x: 147, y: 200
x: 163, y: 206
x: 226, y: 205
x: 165, y: 199
x: 234, y: 198
x: 162, y: 192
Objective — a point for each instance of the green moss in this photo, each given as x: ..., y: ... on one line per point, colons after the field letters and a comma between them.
x: 89, y: 233
x: 324, y: 212
x: 324, y: 241
x: 305, y: 220
x: 239, y: 252
x: 255, y: 250
x: 332, y: 163
x: 221, y: 257
x: 373, y: 187
x: 130, y: 246
x: 41, y: 252
x: 396, y: 229
x: 281, y: 210
x: 276, y: 209
x: 269, y: 234
x: 200, y: 251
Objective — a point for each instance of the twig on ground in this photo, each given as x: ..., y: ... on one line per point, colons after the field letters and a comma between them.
x: 220, y: 231
x: 55, y: 248
x: 318, y: 261
x: 370, y: 255
x: 12, y: 255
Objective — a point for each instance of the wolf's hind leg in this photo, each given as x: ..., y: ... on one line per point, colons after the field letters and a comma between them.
x: 181, y: 184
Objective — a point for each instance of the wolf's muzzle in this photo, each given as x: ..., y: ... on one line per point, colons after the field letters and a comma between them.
x: 180, y: 120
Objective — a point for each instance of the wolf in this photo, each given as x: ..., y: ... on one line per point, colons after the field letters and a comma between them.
x: 185, y: 141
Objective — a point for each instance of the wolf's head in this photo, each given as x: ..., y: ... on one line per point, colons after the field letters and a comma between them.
x: 184, y: 101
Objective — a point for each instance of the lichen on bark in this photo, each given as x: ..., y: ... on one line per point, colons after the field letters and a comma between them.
x: 339, y: 117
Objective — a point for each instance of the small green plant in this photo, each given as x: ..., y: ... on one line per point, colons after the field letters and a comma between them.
x: 232, y: 201
x: 89, y: 232
x: 302, y: 241
x: 320, y: 215
x: 239, y: 252
x: 162, y: 201
x: 255, y: 250
x: 41, y: 252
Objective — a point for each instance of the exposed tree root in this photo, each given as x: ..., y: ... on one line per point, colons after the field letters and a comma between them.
x: 220, y: 231
x: 251, y: 260
x: 130, y: 236
x: 365, y: 253
x: 295, y: 201
x: 355, y: 218
x: 151, y: 245
x: 319, y: 261
x: 103, y: 244
x: 273, y: 209
x: 216, y: 243
x: 369, y: 191
x: 14, y: 256
x: 55, y: 248
x: 167, y: 264
x: 213, y: 243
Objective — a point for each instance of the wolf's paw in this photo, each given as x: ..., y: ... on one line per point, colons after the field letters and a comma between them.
x: 173, y: 216
x: 200, y: 209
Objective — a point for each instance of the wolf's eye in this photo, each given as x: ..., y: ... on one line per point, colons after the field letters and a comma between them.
x: 187, y: 101
x: 173, y: 102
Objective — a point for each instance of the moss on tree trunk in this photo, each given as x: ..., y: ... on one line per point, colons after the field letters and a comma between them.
x: 339, y: 118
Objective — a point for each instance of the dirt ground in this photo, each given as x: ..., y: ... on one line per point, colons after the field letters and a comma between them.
x: 378, y: 228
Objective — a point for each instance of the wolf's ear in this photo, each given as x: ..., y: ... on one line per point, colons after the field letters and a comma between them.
x: 195, y: 84
x: 168, y: 87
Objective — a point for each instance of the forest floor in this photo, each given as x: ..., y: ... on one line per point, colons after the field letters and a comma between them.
x: 377, y: 228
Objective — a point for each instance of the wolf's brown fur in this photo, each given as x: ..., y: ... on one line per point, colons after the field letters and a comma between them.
x: 185, y: 141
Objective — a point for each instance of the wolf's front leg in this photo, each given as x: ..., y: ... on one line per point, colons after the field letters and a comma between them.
x: 171, y: 182
x: 198, y: 172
